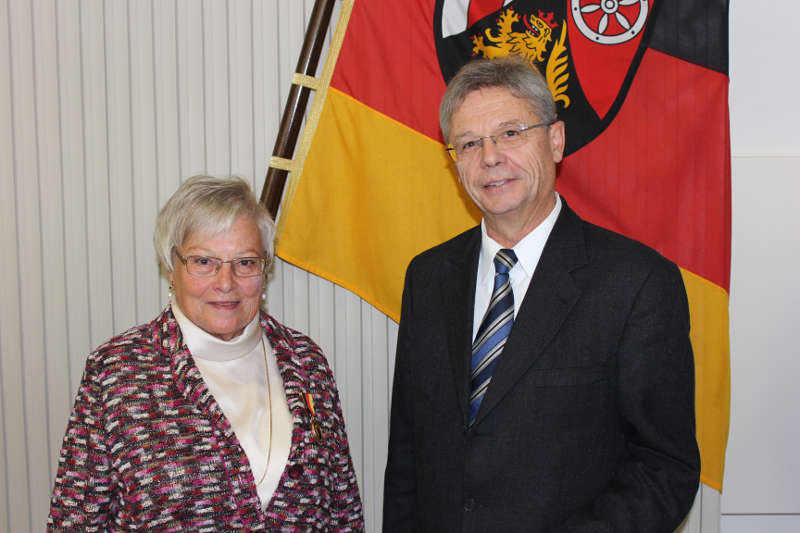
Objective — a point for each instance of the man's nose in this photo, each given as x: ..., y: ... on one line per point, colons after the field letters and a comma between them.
x: 490, y: 152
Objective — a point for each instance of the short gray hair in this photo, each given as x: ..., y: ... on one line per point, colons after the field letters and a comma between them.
x: 512, y: 73
x: 205, y: 203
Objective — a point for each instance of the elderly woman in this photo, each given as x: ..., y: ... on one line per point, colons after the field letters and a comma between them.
x: 214, y: 416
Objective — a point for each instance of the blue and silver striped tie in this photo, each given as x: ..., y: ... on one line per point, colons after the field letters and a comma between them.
x: 493, y: 331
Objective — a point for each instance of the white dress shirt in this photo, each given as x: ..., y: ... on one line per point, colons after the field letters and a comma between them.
x: 528, y: 251
x: 235, y: 374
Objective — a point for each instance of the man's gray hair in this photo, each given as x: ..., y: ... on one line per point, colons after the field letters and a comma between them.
x: 210, y: 205
x: 512, y: 73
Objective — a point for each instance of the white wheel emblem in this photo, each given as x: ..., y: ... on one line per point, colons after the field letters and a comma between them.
x: 610, y: 8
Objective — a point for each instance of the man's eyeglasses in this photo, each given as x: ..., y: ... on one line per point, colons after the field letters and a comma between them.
x: 202, y: 266
x: 504, y: 138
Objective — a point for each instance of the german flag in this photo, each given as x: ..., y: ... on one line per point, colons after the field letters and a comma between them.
x: 643, y: 88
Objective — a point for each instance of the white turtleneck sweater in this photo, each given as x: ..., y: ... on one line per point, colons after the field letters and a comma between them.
x: 235, y: 373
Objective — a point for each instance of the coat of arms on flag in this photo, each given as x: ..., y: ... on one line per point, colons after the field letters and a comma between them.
x: 588, y: 51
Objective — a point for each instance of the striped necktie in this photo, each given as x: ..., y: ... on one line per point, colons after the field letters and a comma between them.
x: 493, y: 331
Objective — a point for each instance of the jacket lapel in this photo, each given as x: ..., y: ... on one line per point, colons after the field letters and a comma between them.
x: 168, y: 339
x: 458, y: 291
x: 296, y: 382
x: 550, y: 297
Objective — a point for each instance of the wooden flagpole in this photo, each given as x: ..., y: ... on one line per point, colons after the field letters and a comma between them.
x: 302, y: 83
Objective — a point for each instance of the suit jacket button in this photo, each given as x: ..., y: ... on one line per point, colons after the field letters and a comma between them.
x: 469, y: 504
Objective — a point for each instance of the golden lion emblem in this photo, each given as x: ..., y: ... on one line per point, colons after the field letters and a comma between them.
x: 531, y: 45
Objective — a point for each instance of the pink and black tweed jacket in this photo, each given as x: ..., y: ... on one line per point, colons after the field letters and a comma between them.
x: 148, y: 447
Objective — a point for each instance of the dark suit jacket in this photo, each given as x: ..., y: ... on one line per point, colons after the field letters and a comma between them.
x: 588, y: 424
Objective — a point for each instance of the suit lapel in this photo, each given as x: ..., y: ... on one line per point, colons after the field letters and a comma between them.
x: 458, y: 284
x: 550, y: 297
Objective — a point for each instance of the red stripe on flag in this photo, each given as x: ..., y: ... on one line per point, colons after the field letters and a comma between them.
x: 655, y: 146
x: 480, y: 8
x: 409, y: 85
x: 660, y: 173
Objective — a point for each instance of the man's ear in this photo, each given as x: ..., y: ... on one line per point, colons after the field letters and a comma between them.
x: 557, y: 140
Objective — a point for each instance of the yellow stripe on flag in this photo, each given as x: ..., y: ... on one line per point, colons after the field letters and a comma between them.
x: 708, y: 307
x: 355, y: 148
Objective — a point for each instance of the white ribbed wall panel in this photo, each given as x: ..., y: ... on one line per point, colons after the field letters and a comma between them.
x: 105, y: 106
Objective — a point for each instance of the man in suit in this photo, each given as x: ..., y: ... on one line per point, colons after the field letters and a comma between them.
x: 581, y: 419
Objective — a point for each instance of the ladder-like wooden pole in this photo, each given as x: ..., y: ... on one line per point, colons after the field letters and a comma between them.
x: 302, y: 84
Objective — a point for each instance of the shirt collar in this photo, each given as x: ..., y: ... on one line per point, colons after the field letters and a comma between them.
x: 528, y: 249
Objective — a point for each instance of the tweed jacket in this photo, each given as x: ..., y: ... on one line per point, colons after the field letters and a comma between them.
x: 147, y: 446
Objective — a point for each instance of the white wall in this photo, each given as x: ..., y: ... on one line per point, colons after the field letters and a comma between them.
x: 761, y: 492
x: 106, y: 104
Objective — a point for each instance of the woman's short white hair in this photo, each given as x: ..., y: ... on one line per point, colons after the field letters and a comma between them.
x: 210, y: 205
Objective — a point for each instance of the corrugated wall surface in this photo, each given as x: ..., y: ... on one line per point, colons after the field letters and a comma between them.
x: 105, y: 106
